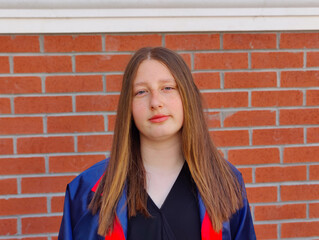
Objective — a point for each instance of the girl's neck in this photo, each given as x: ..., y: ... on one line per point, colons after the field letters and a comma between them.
x: 162, y: 157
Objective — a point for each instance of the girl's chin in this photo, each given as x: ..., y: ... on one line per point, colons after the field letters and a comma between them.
x: 161, y: 136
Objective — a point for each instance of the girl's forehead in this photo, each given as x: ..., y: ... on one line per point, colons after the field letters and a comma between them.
x: 152, y: 71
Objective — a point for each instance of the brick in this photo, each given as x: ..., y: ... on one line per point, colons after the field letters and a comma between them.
x: 16, y: 85
x: 62, y: 84
x: 14, y: 44
x: 187, y: 58
x: 221, y: 60
x: 42, y: 64
x: 101, y: 63
x: 77, y: 163
x: 312, y: 59
x: 71, y: 124
x: 276, y: 98
x: 250, y: 79
x: 314, y: 172
x: 6, y: 146
x: 249, y: 118
x: 57, y: 204
x: 192, y: 41
x: 299, y: 40
x: 276, y: 60
x: 30, y: 238
x: 34, y: 225
x: 54, y: 104
x: 313, y: 135
x: 4, y: 65
x: 300, y: 192
x: 300, y: 79
x: 280, y: 212
x: 247, y: 174
x: 230, y: 138
x: 281, y: 174
x: 207, y: 80
x: 299, y: 229
x: 262, y: 194
x: 131, y: 42
x: 114, y: 83
x: 45, y: 184
x: 5, y: 106
x: 249, y: 41
x: 8, y: 186
x: 299, y: 116
x: 277, y: 136
x: 8, y: 226
x: 266, y: 231
x: 301, y: 154
x: 213, y: 119
x: 21, y: 125
x: 30, y: 145
x: 312, y: 97
x: 225, y: 99
x: 254, y: 156
x: 96, y: 103
x: 18, y: 206
x: 74, y: 43
x: 111, y: 122
x: 95, y: 143
x: 314, y: 210
x: 31, y: 165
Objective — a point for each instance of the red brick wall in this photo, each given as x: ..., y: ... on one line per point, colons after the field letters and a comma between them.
x: 58, y: 102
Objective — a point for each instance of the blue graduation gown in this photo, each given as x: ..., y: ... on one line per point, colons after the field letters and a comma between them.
x: 78, y: 223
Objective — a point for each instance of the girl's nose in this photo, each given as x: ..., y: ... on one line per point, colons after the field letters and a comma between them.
x: 156, y: 101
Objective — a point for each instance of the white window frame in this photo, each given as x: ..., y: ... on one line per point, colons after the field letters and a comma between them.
x: 143, y: 16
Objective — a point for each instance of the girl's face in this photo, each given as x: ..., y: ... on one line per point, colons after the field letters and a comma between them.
x: 156, y: 105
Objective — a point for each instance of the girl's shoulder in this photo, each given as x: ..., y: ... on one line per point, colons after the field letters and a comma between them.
x: 86, y: 180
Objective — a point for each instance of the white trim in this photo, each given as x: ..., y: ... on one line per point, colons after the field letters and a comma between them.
x: 106, y: 4
x: 157, y: 20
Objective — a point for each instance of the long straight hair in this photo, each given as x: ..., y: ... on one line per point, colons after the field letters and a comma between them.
x: 214, y: 178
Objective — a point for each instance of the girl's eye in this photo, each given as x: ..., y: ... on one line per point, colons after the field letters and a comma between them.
x: 140, y: 92
x: 168, y: 88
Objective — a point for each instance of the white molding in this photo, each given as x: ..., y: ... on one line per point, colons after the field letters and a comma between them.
x: 117, y: 20
x: 106, y: 4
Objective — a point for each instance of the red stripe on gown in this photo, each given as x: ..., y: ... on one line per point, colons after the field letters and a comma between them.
x: 208, y: 233
x: 117, y: 233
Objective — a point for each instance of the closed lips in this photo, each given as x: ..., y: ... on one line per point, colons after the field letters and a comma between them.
x: 159, y: 118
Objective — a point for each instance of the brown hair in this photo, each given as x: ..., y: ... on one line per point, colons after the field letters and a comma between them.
x: 214, y: 178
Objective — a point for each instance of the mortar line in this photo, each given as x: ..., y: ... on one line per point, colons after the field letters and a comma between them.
x: 106, y: 123
x: 46, y: 164
x: 15, y: 151
x: 11, y: 66
x: 73, y: 64
x: 41, y: 43
x: 222, y: 80
x: 76, y: 144
x: 19, y: 227
x: 11, y: 104
x: 278, y: 37
x: 49, y: 204
x: 19, y: 185
x: 103, y: 39
x: 163, y: 40
x: 221, y: 38
x: 43, y: 83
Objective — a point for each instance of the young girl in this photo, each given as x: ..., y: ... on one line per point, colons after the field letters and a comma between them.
x: 165, y: 178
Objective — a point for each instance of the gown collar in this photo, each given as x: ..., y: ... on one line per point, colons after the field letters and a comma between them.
x: 120, y: 225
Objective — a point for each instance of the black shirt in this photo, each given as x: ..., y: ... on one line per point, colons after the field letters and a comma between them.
x: 177, y: 219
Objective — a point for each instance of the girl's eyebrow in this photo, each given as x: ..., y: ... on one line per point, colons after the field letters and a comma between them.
x: 143, y: 83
